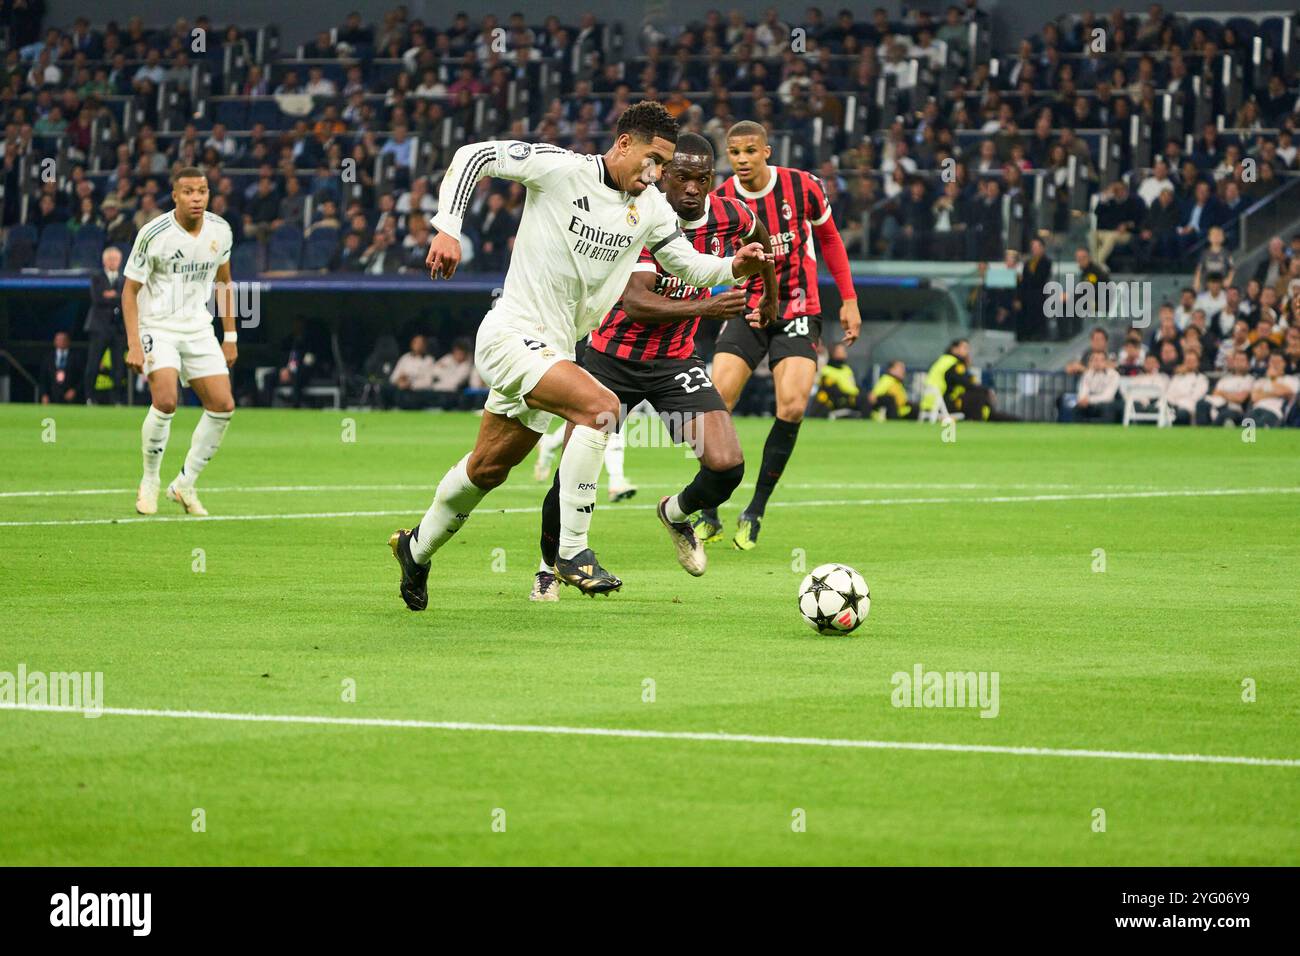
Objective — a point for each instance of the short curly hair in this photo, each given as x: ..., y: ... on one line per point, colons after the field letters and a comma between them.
x: 647, y: 120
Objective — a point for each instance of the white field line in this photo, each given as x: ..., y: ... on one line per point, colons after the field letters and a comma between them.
x: 863, y: 486
x: 815, y: 503
x: 699, y: 736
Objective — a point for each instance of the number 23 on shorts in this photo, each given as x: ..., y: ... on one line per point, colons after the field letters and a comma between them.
x: 685, y: 379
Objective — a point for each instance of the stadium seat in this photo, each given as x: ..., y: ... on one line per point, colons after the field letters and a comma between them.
x: 245, y: 260
x: 286, y: 233
x: 232, y: 113
x: 319, y: 249
x: 86, y: 251
x: 1140, y: 393
x: 284, y: 255
x: 20, y: 248
x: 52, y: 255
x: 55, y: 233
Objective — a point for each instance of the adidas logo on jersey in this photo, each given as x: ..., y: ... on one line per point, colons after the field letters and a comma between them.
x: 582, y: 204
x: 178, y: 254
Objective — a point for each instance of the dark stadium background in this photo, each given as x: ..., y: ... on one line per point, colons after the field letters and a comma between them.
x: 912, y: 304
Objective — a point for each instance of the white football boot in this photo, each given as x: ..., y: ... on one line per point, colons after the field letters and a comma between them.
x: 690, y: 551
x: 146, y: 498
x: 188, y: 499
x: 546, y: 587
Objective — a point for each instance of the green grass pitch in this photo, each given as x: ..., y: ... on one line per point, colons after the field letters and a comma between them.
x: 983, y: 554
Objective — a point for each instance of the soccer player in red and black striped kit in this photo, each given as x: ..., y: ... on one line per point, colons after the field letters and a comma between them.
x: 792, y: 205
x: 645, y: 349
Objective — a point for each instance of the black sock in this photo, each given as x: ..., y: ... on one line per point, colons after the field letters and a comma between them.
x: 551, y: 522
x: 776, y: 452
x: 708, y: 489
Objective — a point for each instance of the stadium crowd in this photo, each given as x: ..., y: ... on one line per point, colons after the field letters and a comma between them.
x: 324, y: 157
x: 934, y: 139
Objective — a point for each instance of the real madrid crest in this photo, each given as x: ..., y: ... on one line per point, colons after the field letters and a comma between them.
x: 632, y: 217
x: 786, y: 211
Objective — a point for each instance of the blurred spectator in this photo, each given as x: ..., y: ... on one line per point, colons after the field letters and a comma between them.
x: 452, y: 373
x: 1098, y: 392
x: 1273, y: 394
x: 1215, y: 260
x: 1187, y: 387
x: 1226, y: 405
x: 836, y: 394
x: 105, y: 326
x: 888, y: 398
x: 59, y: 373
x: 1118, y: 218
x: 411, y: 383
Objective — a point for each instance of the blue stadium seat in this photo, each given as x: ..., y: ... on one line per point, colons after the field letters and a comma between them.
x: 245, y: 260
x: 286, y: 233
x: 320, y: 249
x: 55, y: 233
x: 20, y: 248
x: 87, y: 249
x: 52, y: 255
x: 268, y: 112
x: 233, y: 113
x: 284, y: 255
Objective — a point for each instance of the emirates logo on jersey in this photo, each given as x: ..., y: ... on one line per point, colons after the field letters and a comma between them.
x: 715, y: 245
x: 786, y: 211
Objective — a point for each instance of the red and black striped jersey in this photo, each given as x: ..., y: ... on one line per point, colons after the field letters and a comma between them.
x: 790, y: 205
x: 723, y: 229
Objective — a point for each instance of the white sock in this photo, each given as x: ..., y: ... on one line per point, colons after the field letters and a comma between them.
x: 456, y: 497
x: 673, y: 509
x: 579, y: 469
x: 153, y: 441
x: 207, y: 439
x: 614, y: 460
x: 543, y: 566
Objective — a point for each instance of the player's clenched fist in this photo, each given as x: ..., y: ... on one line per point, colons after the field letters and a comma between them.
x: 135, y: 358
x: 749, y: 260
x: 444, y: 256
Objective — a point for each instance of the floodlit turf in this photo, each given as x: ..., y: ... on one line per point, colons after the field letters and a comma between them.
x: 1198, y: 593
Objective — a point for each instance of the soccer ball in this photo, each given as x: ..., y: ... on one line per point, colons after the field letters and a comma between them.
x: 834, y: 599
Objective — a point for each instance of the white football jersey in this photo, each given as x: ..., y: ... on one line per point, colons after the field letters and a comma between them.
x: 176, y: 271
x: 578, y: 240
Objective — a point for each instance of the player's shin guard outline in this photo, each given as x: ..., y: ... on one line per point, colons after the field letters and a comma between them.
x: 776, y: 454
x: 154, y: 432
x: 204, y: 443
x: 579, y: 469
x: 453, y: 502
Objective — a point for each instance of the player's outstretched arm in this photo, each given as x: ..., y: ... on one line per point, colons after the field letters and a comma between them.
x: 837, y: 260
x: 642, y: 303
x: 696, y: 268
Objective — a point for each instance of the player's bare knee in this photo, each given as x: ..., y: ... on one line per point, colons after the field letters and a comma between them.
x: 600, y: 411
x: 221, y: 406
x: 790, y: 411
x: 723, y: 460
x: 164, y: 403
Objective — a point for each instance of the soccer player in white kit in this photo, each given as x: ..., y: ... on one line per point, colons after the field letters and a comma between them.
x: 169, y: 336
x: 584, y: 223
